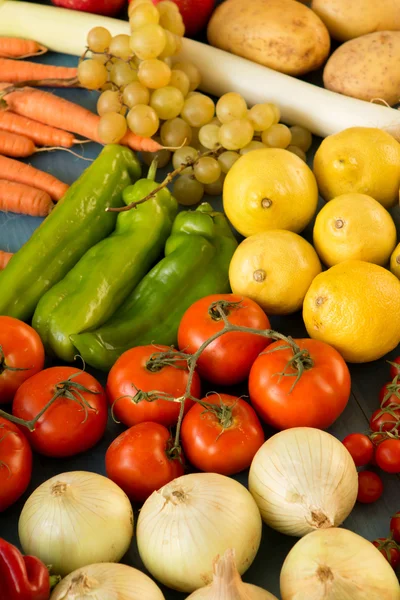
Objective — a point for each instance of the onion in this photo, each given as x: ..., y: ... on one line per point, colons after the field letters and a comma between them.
x: 186, y: 524
x: 337, y: 564
x: 303, y: 479
x: 227, y: 584
x: 107, y: 581
x: 76, y: 519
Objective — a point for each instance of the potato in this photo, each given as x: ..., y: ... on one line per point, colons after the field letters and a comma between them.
x: 348, y: 19
x: 284, y: 35
x: 366, y: 67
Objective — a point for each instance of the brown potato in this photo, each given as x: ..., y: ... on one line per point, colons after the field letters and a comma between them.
x: 366, y: 68
x: 284, y: 35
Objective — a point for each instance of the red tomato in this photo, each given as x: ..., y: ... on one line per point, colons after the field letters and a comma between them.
x: 65, y: 429
x: 315, y: 400
x: 383, y: 421
x: 387, y: 456
x: 370, y: 487
x: 213, y: 448
x: 360, y: 447
x: 20, y: 348
x: 389, y: 550
x: 395, y: 527
x: 389, y: 394
x: 15, y: 463
x: 395, y: 370
x: 138, y: 460
x: 228, y: 359
x: 133, y: 372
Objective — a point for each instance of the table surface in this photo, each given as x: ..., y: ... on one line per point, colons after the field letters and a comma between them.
x: 369, y: 521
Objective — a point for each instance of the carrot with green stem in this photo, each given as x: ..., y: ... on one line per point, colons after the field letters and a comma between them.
x: 24, y: 199
x: 5, y: 258
x: 19, y: 172
x: 15, y: 71
x: 40, y: 134
x: 12, y: 47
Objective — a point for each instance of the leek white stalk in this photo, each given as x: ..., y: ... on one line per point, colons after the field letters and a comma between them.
x: 337, y: 564
x: 303, y: 479
x: 107, y: 581
x: 186, y: 524
x: 228, y: 585
x: 319, y: 110
x: 76, y: 519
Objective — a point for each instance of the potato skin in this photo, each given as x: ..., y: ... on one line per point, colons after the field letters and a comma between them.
x: 284, y: 35
x: 366, y: 67
x: 348, y: 19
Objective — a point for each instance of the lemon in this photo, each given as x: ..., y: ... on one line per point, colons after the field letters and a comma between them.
x: 267, y: 189
x: 359, y: 159
x: 354, y: 226
x: 355, y: 307
x: 395, y: 261
x: 275, y: 269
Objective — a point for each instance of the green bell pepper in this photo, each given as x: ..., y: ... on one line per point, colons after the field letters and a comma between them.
x: 98, y: 284
x: 77, y: 222
x: 196, y: 264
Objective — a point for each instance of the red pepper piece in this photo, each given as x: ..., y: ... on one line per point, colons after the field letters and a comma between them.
x: 22, y: 577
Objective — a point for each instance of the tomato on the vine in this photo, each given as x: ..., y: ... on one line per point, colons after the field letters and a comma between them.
x: 395, y: 527
x: 389, y: 394
x: 387, y: 456
x: 370, y: 487
x: 222, y: 437
x: 75, y: 421
x: 283, y: 398
x: 21, y: 355
x: 15, y: 463
x: 134, y: 372
x: 360, y: 447
x: 395, y: 370
x: 383, y: 421
x: 389, y: 550
x: 138, y: 460
x: 228, y: 359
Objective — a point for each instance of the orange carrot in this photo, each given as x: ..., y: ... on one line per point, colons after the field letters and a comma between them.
x: 11, y: 47
x: 15, y: 145
x: 13, y: 170
x: 24, y: 199
x: 42, y: 135
x: 15, y: 71
x: 4, y: 259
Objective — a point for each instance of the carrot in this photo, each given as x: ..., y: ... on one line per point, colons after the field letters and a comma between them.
x: 42, y: 135
x: 11, y: 47
x: 15, y: 71
x: 13, y: 170
x: 24, y: 199
x: 4, y: 259
x: 15, y: 145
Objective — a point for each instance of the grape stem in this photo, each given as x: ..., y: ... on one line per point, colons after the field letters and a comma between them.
x: 190, y: 162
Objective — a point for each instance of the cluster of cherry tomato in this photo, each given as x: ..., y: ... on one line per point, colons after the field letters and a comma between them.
x: 389, y: 546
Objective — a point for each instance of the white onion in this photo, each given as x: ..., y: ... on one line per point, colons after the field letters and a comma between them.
x: 303, y: 479
x: 76, y: 519
x: 227, y: 584
x: 107, y: 581
x: 337, y: 564
x: 186, y: 524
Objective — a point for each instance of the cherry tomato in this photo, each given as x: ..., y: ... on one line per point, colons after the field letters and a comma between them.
x: 395, y: 527
x: 360, y: 447
x: 383, y: 421
x: 134, y: 371
x: 395, y: 370
x: 228, y: 359
x: 389, y: 550
x: 21, y: 355
x: 387, y: 456
x: 15, y: 463
x: 389, y: 394
x: 222, y: 443
x: 370, y: 487
x: 67, y: 427
x: 316, y: 399
x: 138, y: 460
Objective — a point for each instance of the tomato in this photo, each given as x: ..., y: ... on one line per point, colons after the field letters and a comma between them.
x: 15, y: 463
x: 225, y: 441
x: 133, y: 372
x: 395, y: 370
x: 370, y: 487
x: 360, y: 447
x: 387, y: 456
x: 389, y: 550
x: 66, y: 428
x: 389, y: 394
x: 383, y: 421
x: 20, y: 348
x: 316, y: 399
x: 395, y: 527
x: 228, y: 359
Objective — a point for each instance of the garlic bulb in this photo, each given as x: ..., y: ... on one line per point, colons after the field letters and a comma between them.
x: 76, y: 519
x: 227, y: 584
x: 337, y: 564
x: 303, y: 479
x: 186, y: 524
x: 107, y: 581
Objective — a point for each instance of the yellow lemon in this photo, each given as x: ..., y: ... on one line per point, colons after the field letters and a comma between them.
x: 270, y: 188
x: 395, y: 261
x: 359, y: 159
x: 355, y: 307
x: 354, y: 226
x: 275, y: 269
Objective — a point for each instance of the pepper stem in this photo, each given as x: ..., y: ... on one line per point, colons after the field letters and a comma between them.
x: 153, y: 169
